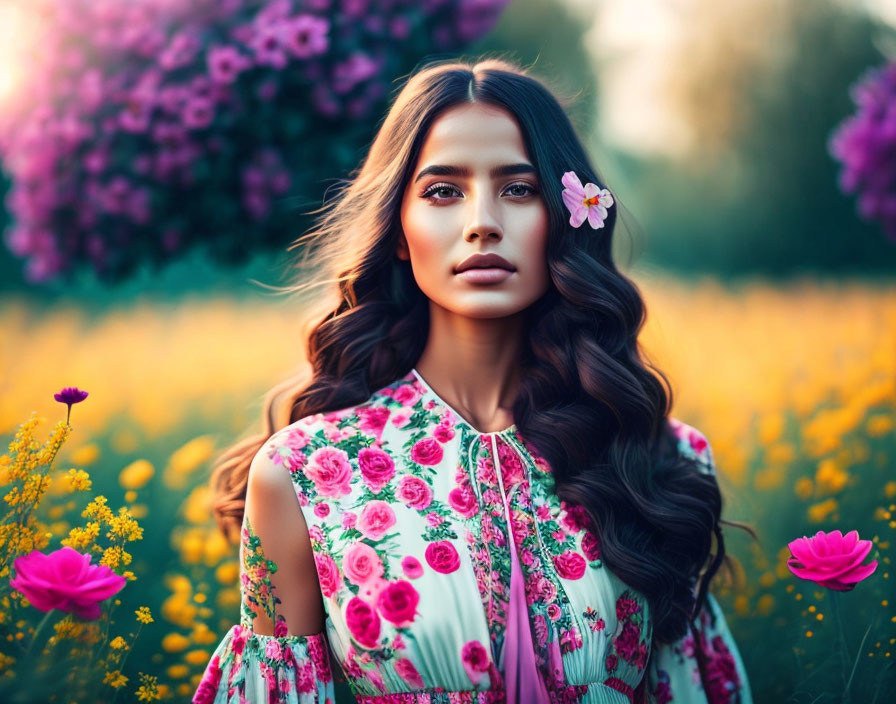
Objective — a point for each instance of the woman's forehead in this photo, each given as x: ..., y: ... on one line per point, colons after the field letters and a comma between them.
x: 473, y: 135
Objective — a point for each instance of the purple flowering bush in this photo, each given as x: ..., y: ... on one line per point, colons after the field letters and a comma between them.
x: 865, y: 144
x: 154, y: 126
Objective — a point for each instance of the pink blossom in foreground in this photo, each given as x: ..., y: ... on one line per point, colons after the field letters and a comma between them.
x: 65, y: 580
x: 832, y: 560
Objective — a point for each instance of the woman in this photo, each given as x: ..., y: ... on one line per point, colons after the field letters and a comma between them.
x: 479, y: 494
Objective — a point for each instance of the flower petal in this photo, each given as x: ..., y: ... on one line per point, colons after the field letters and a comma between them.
x: 591, y: 190
x: 572, y: 182
x: 594, y: 218
x: 578, y: 216
x: 571, y: 200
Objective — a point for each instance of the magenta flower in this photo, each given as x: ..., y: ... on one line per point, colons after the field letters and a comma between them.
x: 69, y: 396
x: 65, y: 580
x: 589, y: 201
x: 832, y: 560
x: 306, y: 36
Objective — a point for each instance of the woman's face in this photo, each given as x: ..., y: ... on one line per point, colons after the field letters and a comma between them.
x: 474, y: 191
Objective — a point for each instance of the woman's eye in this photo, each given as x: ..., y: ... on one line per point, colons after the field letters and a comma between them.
x: 526, y: 189
x: 430, y: 193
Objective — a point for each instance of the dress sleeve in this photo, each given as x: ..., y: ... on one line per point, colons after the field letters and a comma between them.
x: 674, y: 674
x: 675, y: 677
x: 247, y: 666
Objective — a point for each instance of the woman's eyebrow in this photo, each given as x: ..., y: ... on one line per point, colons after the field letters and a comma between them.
x: 463, y: 171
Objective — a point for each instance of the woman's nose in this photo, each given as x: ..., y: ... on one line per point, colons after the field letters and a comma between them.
x: 484, y: 220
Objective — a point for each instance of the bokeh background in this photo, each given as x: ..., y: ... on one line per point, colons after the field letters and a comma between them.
x: 152, y: 186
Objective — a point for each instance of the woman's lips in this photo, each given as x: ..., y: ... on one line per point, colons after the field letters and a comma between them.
x: 489, y: 275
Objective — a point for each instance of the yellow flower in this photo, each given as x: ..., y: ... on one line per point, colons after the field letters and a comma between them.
x: 115, y: 557
x: 115, y: 679
x: 68, y: 629
x: 78, y: 480
x: 820, y: 511
x: 136, y: 474
x: 124, y: 526
x: 175, y: 642
x: 82, y: 538
x: 118, y: 643
x: 98, y: 510
x: 143, y: 615
x: 148, y: 691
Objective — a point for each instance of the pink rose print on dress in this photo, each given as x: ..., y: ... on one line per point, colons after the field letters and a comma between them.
x: 322, y: 510
x: 372, y: 419
x: 401, y: 417
x: 443, y: 432
x: 398, y: 603
x: 414, y: 492
x: 331, y: 472
x: 349, y: 519
x: 377, y: 468
x: 442, y: 556
x: 376, y: 518
x: 328, y: 574
x: 463, y: 500
x: 407, y: 394
x: 831, y: 560
x: 591, y: 546
x: 475, y: 659
x: 406, y: 670
x: 570, y: 565
x: 361, y: 564
x: 427, y: 451
x: 412, y: 567
x: 362, y: 622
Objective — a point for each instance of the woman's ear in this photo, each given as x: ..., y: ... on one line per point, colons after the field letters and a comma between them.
x: 402, y: 251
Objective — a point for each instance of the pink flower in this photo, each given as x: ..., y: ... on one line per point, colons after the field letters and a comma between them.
x: 570, y: 565
x: 475, y: 659
x: 328, y: 573
x: 463, y: 500
x: 65, y: 580
x: 362, y: 564
x: 442, y: 556
x: 832, y: 560
x: 415, y: 492
x: 208, y: 686
x: 376, y: 518
x: 398, y: 602
x: 363, y: 622
x: 590, y: 201
x: 427, y: 451
x: 330, y: 471
x: 412, y: 567
x: 306, y: 36
x: 406, y: 670
x: 377, y: 468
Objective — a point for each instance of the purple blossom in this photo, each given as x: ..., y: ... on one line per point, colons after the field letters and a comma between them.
x: 225, y: 63
x: 865, y: 144
x: 70, y: 395
x: 306, y: 36
x: 125, y: 97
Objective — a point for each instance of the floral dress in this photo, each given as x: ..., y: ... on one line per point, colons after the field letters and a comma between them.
x: 451, y: 572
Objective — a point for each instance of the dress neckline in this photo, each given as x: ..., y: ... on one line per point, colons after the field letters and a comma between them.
x: 460, y: 418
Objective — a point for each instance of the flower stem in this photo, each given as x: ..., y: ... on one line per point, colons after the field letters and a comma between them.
x: 40, y: 626
x: 842, y: 646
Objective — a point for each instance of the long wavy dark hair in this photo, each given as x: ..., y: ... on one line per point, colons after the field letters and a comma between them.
x: 589, y: 403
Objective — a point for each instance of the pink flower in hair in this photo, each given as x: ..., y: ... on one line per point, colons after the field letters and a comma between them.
x: 585, y: 202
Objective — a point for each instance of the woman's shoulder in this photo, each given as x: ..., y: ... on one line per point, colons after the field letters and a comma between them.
x: 693, y: 443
